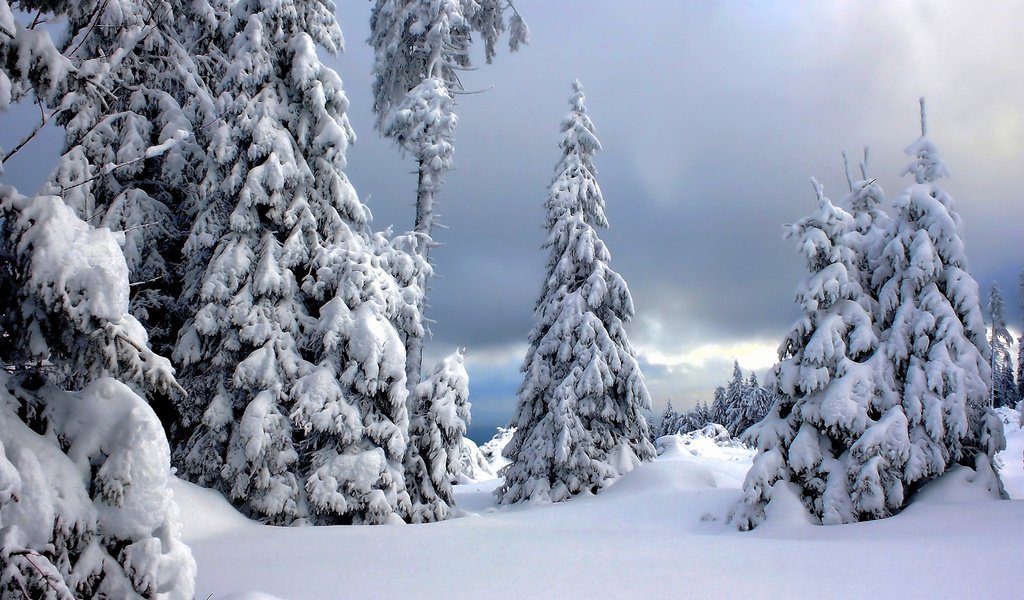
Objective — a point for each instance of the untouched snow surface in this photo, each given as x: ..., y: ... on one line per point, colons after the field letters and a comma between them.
x: 659, y: 532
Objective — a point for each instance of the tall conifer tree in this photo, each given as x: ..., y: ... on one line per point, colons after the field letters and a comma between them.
x: 579, y: 422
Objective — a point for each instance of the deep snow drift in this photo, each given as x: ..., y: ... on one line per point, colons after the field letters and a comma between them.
x: 659, y: 532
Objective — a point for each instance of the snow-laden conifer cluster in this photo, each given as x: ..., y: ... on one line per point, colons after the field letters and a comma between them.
x: 883, y: 381
x: 579, y: 422
x: 736, y: 407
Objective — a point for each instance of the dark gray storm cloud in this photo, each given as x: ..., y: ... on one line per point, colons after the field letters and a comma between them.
x: 713, y: 116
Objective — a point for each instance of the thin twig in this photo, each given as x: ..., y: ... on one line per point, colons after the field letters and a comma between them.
x: 94, y: 18
x: 134, y: 227
x: 138, y: 283
x: 110, y: 169
x: 46, y: 577
x: 39, y: 126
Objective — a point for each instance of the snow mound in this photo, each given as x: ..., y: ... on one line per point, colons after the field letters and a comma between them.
x: 473, y: 465
x: 492, y: 450
x: 1010, y: 462
x: 660, y: 527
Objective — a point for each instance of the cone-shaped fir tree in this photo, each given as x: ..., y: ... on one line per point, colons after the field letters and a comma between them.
x: 757, y: 400
x: 824, y: 384
x: 295, y: 370
x: 1004, y: 384
x: 436, y: 430
x: 579, y: 422
x: 935, y: 345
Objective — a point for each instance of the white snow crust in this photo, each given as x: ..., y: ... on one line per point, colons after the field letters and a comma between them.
x: 660, y: 531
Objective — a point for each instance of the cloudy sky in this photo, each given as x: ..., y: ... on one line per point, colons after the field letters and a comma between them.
x: 713, y: 116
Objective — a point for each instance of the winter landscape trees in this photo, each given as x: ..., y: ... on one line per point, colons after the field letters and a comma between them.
x: 882, y: 387
x: 199, y: 266
x: 736, y: 407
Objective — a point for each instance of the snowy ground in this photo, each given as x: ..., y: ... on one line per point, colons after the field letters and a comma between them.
x: 657, y: 533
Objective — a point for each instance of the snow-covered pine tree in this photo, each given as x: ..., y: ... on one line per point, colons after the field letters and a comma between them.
x: 147, y: 95
x: 436, y: 429
x: 666, y: 425
x: 826, y: 381
x: 701, y: 415
x: 732, y: 403
x: 1004, y: 385
x: 579, y: 421
x: 291, y: 299
x: 420, y: 46
x: 935, y: 343
x: 718, y: 412
x: 756, y: 402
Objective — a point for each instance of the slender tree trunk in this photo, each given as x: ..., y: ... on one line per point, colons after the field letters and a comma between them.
x: 424, y: 227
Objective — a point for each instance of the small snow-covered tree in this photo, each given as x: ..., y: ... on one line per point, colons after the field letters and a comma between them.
x: 668, y: 420
x: 420, y: 45
x: 579, y: 420
x: 825, y: 380
x: 756, y: 402
x: 435, y: 440
x: 1004, y: 385
x: 718, y: 412
x: 732, y: 404
x: 701, y: 415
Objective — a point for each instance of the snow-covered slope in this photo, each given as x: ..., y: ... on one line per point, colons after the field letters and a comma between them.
x: 659, y: 532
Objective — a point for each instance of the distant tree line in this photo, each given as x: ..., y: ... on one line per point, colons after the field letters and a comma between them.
x: 736, y: 406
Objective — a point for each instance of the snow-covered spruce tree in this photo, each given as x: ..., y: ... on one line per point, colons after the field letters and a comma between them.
x: 718, y: 412
x: 732, y: 403
x: 295, y: 368
x: 435, y: 440
x: 934, y: 339
x: 85, y: 507
x: 700, y: 416
x: 755, y: 404
x: 1004, y: 386
x: 669, y: 417
x: 579, y: 421
x: 826, y: 382
x: 148, y: 95
x: 420, y: 46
